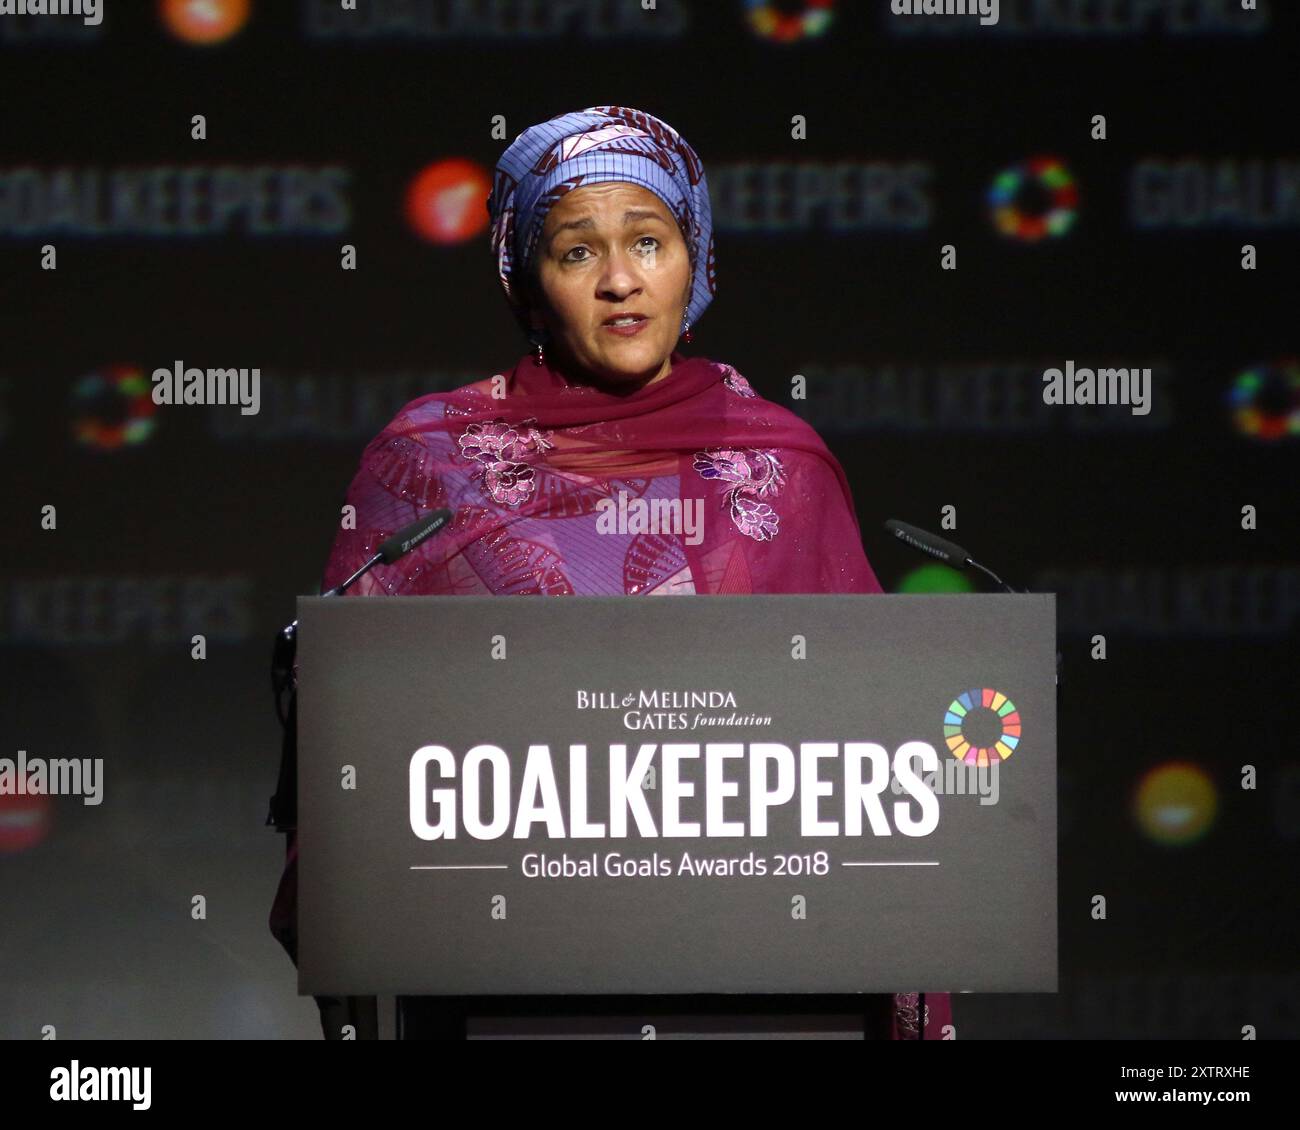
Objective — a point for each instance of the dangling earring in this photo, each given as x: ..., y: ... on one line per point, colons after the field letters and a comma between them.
x: 686, y: 332
x: 539, y: 356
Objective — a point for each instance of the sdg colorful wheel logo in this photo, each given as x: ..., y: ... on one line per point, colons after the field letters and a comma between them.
x: 1265, y: 401
x: 770, y: 22
x: 981, y: 725
x: 113, y: 408
x: 1034, y: 199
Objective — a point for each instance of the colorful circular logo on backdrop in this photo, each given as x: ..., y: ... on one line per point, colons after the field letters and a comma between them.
x: 113, y: 408
x: 981, y: 725
x: 1175, y: 803
x: 782, y: 25
x: 445, y: 201
x: 25, y: 820
x: 1265, y: 400
x: 934, y: 577
x: 204, y: 22
x: 1034, y: 199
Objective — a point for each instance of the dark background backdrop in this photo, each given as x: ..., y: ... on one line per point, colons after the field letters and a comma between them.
x: 924, y: 382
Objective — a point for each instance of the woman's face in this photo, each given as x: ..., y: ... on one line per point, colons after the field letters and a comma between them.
x: 607, y: 250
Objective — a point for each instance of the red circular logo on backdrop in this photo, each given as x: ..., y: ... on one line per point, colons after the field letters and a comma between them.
x: 447, y: 201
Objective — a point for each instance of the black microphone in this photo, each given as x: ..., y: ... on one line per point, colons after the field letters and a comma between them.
x: 390, y: 549
x: 948, y: 552
x: 398, y: 545
x: 283, y: 811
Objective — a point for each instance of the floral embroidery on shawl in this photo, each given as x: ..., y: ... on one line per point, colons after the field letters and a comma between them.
x: 499, y: 450
x: 906, y: 1010
x: 756, y: 474
x: 734, y: 381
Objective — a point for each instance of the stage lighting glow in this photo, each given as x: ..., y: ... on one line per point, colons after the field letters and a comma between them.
x: 770, y: 22
x: 204, y: 22
x: 1175, y: 803
x: 24, y: 821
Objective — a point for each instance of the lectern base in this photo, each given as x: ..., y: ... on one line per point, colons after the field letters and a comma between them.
x: 697, y: 1016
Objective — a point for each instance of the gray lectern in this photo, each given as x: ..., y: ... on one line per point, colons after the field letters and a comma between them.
x: 820, y: 794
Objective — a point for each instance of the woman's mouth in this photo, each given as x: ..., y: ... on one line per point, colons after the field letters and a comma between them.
x: 626, y: 326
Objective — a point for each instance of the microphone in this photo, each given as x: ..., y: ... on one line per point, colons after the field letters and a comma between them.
x: 948, y: 552
x: 283, y: 810
x: 398, y: 545
x: 391, y: 549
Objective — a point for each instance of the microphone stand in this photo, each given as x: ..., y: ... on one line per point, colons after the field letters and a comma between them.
x: 283, y: 810
x: 360, y: 1012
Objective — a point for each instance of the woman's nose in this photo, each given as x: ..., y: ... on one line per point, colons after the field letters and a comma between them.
x: 619, y: 276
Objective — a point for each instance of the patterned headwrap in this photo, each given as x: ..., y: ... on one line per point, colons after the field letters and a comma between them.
x: 600, y: 143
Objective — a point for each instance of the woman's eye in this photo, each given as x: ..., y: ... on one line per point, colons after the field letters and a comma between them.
x: 569, y: 255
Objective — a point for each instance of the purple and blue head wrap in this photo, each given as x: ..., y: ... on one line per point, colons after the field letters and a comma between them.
x: 600, y: 143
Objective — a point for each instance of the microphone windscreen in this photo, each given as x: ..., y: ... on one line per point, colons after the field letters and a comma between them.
x: 408, y: 537
x: 946, y: 551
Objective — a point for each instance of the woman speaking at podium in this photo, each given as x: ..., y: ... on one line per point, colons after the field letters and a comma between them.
x: 603, y: 241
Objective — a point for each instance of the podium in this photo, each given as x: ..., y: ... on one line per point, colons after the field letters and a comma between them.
x: 613, y: 797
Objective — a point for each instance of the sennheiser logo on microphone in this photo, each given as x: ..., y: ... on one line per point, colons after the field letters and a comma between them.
x: 410, y: 543
x: 933, y: 551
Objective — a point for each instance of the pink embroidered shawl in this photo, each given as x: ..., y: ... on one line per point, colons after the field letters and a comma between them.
x: 526, y: 474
